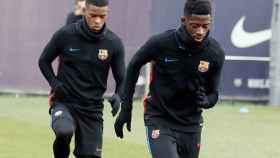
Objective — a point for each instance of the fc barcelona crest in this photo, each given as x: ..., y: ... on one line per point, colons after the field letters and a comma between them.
x: 203, y: 66
x: 155, y: 133
x: 103, y: 54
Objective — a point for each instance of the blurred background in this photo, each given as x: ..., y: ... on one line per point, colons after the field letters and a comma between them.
x: 26, y: 27
x: 235, y: 128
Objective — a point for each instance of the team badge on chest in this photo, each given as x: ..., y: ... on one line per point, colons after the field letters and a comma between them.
x: 103, y: 54
x: 155, y: 133
x: 203, y: 66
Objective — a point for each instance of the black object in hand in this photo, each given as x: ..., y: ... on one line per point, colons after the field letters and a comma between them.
x: 123, y: 117
x: 201, y: 98
x: 115, y: 102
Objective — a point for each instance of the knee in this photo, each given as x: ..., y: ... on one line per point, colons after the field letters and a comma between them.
x: 63, y: 130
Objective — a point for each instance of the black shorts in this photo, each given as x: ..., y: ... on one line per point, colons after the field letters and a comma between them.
x: 169, y: 143
x: 88, y: 129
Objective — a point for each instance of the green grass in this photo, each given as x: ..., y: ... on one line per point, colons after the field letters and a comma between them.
x: 227, y: 133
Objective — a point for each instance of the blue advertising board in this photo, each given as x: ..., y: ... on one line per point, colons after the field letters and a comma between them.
x: 243, y: 29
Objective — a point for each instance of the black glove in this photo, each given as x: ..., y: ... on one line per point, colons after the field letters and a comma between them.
x: 182, y: 148
x: 123, y: 117
x: 115, y: 102
x: 201, y: 98
x: 58, y: 90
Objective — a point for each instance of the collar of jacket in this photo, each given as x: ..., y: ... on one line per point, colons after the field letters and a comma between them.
x: 186, y: 42
x: 86, y: 32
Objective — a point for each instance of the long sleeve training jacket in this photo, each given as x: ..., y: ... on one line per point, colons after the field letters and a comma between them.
x: 85, y: 58
x: 180, y: 66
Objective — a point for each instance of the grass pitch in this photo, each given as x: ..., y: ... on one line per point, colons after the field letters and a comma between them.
x: 227, y: 133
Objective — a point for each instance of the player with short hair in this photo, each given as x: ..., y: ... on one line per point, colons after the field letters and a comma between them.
x: 186, y: 70
x: 87, y: 50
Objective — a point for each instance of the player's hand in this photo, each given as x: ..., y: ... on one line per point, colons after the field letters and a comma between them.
x: 115, y: 102
x: 124, y: 117
x: 59, y: 90
x: 201, y: 98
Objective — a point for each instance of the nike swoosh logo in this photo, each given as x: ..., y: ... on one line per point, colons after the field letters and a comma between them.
x: 167, y: 60
x: 73, y: 50
x: 240, y: 38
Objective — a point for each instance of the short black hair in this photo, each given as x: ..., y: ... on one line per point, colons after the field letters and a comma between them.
x: 99, y: 3
x: 198, y: 7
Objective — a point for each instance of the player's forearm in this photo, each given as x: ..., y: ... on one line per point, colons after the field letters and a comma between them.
x: 118, y: 65
x: 118, y: 73
x: 46, y: 69
x: 118, y: 87
x: 129, y: 83
x: 48, y: 55
x: 213, y: 94
x: 119, y: 79
x: 144, y: 55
